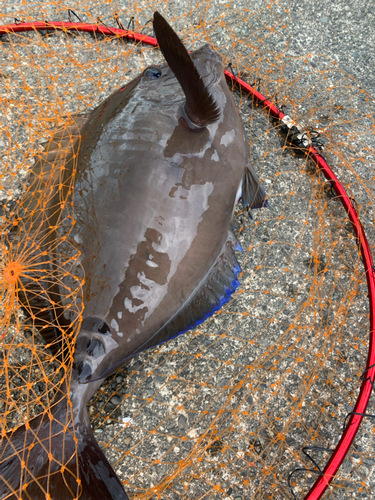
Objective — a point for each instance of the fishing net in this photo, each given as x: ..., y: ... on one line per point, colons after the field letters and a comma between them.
x: 252, y: 403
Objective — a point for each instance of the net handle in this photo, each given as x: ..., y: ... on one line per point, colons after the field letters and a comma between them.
x: 359, y: 410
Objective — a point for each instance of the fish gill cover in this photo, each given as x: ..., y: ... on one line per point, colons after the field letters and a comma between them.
x: 251, y: 403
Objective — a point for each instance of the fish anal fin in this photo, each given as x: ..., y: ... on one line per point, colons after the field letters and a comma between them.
x: 54, y: 163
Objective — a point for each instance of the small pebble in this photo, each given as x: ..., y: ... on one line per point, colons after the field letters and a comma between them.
x: 223, y: 382
x: 182, y: 421
x: 115, y: 400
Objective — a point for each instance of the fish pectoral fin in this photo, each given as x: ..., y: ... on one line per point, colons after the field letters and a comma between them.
x: 32, y: 458
x: 200, y: 108
x: 253, y: 194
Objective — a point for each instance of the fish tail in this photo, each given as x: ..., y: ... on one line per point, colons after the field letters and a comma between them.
x: 51, y: 456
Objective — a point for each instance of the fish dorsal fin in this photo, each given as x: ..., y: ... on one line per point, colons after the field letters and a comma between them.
x: 200, y: 108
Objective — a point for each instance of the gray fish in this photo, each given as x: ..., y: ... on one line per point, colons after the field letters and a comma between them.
x: 161, y: 164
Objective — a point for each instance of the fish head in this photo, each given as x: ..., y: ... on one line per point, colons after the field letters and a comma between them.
x: 207, y: 61
x: 158, y: 83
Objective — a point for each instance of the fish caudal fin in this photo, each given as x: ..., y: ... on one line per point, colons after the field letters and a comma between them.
x: 200, y: 108
x: 253, y: 194
x: 42, y: 458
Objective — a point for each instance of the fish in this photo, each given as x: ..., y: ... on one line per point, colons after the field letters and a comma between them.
x: 160, y: 166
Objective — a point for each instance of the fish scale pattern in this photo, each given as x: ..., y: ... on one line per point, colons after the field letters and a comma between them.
x: 250, y: 403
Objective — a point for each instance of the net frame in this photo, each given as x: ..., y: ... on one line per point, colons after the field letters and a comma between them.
x: 356, y: 416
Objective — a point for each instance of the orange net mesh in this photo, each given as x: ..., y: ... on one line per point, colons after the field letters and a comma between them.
x: 227, y: 409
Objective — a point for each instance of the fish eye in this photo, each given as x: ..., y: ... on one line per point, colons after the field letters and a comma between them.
x: 152, y: 73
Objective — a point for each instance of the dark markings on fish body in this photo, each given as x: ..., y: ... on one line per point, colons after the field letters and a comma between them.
x: 177, y: 142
